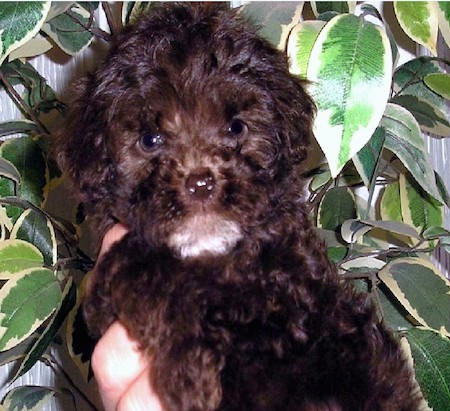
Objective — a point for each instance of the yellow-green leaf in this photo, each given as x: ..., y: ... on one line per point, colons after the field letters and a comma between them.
x: 439, y: 83
x: 419, y: 21
x: 419, y: 209
x: 300, y: 43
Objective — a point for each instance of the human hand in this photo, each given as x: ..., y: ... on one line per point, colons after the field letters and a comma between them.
x: 121, y: 370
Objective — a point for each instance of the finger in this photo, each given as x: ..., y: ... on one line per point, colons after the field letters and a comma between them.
x: 140, y: 396
x: 114, y: 234
x: 116, y: 363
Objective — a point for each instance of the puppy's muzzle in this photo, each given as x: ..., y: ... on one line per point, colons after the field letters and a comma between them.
x: 200, y: 184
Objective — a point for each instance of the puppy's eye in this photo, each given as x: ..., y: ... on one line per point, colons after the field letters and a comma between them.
x: 150, y: 141
x: 237, y: 128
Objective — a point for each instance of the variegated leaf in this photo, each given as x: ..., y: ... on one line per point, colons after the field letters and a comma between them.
x: 419, y: 209
x: 442, y: 10
x: 45, y: 339
x: 28, y: 398
x: 429, y: 117
x: 26, y: 301
x: 68, y: 34
x: 419, y: 21
x: 421, y: 289
x: 351, y: 59
x: 405, y: 140
x: 275, y: 18
x: 16, y: 256
x: 19, y: 22
x: 36, y: 228
x: 300, y: 43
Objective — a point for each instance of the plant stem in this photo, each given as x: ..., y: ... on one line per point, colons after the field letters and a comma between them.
x: 88, y: 27
x: 51, y: 361
x: 23, y: 106
x: 110, y: 18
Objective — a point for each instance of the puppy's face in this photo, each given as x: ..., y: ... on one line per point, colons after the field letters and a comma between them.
x: 200, y: 130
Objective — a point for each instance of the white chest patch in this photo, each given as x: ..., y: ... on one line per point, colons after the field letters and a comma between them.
x: 205, y: 234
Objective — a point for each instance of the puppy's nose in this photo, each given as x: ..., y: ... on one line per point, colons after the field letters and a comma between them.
x: 200, y: 184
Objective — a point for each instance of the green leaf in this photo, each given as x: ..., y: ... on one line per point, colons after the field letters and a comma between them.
x: 320, y: 7
x: 418, y: 21
x: 19, y: 22
x: 36, y: 228
x: 26, y: 301
x: 419, y: 209
x: 430, y: 118
x: 421, y: 289
x: 300, y: 44
x: 431, y: 354
x: 16, y: 256
x: 28, y: 398
x: 27, y: 157
x: 405, y: 140
x: 350, y: 60
x: 275, y: 18
x: 50, y: 331
x: 393, y: 314
x: 366, y: 160
x: 68, y: 34
x: 439, y: 83
x: 8, y: 170
x: 337, y: 206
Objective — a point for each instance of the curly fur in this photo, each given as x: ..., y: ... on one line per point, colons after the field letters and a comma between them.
x: 231, y: 293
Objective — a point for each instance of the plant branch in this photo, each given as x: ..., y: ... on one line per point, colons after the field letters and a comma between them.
x: 313, y: 203
x: 51, y: 361
x: 20, y: 102
x: 88, y: 27
x: 110, y: 18
x: 390, y: 252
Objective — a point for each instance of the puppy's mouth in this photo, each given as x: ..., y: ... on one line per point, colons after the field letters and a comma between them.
x: 205, y: 234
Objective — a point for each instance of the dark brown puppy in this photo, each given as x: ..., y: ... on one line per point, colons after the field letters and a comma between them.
x: 192, y: 134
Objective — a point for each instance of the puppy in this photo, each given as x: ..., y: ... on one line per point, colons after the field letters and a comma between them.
x: 192, y: 134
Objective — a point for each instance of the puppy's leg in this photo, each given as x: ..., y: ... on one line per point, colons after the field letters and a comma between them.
x: 186, y: 376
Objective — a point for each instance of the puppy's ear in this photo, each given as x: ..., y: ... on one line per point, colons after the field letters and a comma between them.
x: 296, y: 110
x: 81, y: 149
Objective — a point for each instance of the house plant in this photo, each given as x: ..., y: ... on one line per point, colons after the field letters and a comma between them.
x: 373, y: 192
